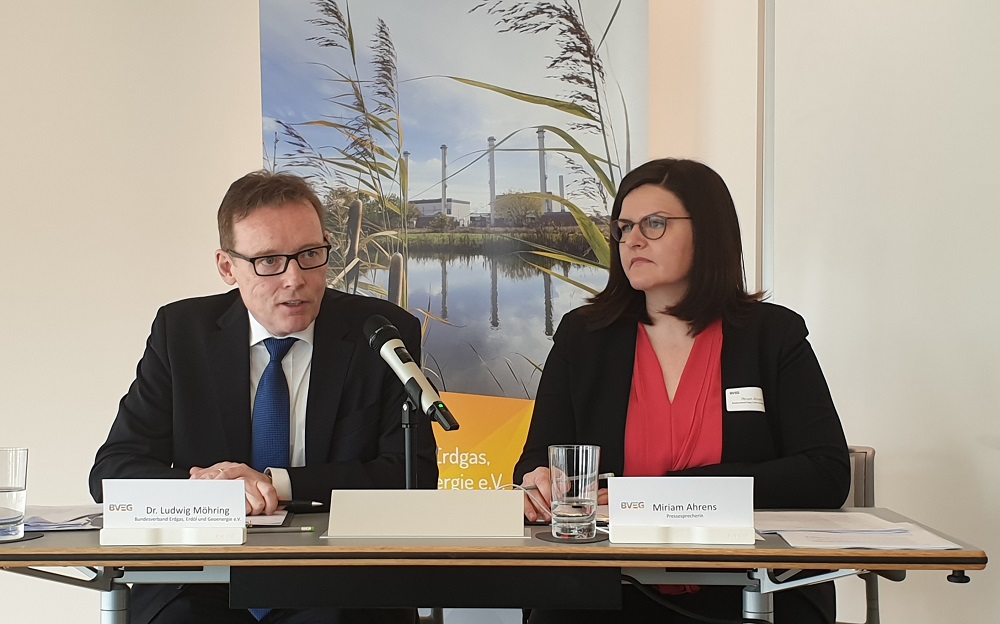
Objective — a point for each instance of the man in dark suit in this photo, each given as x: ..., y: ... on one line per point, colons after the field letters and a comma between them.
x: 191, y: 411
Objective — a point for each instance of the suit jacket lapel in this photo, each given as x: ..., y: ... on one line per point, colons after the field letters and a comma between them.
x: 331, y: 359
x: 229, y: 368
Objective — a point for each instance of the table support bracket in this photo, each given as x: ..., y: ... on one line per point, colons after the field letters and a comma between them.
x: 768, y: 582
x: 758, y: 595
x: 102, y: 580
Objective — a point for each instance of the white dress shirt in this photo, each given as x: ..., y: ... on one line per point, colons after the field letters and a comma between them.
x: 296, y: 365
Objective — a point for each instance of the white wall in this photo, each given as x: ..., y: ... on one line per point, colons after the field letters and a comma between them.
x: 703, y: 96
x: 886, y: 145
x: 887, y: 148
x: 123, y: 124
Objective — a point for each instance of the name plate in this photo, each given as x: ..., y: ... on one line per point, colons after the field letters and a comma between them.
x: 426, y: 513
x: 149, y: 512
x: 681, y: 510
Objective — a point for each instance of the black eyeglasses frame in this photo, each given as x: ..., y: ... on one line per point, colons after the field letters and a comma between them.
x: 288, y: 259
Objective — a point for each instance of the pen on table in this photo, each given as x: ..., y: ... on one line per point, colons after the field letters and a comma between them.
x: 600, y: 477
x: 300, y: 503
x: 281, y: 529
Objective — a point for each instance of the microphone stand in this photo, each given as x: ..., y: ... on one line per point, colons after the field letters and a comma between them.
x: 411, y: 418
x: 411, y: 415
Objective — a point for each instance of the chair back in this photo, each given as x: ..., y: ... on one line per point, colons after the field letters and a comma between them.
x: 862, y: 492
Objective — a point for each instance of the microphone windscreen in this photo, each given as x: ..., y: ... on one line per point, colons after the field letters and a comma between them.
x: 378, y: 330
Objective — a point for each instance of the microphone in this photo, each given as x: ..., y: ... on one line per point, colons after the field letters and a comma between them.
x: 384, y: 338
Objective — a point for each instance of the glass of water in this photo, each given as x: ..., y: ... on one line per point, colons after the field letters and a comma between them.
x: 13, y: 480
x: 573, y: 471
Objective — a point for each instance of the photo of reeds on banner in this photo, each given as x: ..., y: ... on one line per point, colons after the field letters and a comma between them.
x: 467, y: 154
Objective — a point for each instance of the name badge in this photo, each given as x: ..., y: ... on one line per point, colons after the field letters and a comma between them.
x: 749, y: 399
x: 173, y: 511
x: 681, y: 510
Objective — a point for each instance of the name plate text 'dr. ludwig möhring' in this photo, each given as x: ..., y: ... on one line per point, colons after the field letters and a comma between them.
x: 151, y: 512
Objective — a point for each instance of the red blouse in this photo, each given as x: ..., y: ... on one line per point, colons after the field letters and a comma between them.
x: 663, y: 436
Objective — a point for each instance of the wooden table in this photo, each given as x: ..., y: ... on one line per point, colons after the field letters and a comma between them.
x: 458, y: 572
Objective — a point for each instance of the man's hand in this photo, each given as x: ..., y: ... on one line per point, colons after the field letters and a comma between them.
x: 262, y: 498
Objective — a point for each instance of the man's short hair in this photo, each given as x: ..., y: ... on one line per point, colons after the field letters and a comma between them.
x: 258, y: 190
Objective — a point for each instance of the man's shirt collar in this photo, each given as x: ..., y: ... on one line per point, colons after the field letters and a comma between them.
x: 258, y: 332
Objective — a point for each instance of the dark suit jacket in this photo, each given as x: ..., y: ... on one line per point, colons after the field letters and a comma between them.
x: 190, y: 406
x: 796, y: 450
x: 190, y: 402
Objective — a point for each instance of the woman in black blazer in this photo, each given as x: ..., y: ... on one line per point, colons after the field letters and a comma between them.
x: 676, y: 296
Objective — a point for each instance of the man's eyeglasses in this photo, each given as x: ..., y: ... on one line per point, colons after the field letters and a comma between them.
x: 276, y: 264
x: 652, y: 226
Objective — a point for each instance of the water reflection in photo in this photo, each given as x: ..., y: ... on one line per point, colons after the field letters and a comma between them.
x: 500, y: 314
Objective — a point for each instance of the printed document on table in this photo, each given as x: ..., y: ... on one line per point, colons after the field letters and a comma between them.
x: 914, y: 537
x: 275, y: 519
x: 62, y: 518
x: 822, y: 521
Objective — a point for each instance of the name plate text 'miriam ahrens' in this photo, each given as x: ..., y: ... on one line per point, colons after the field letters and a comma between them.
x: 149, y: 512
x: 681, y: 510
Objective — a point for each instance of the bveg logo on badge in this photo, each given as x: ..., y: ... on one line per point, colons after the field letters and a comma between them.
x: 119, y: 507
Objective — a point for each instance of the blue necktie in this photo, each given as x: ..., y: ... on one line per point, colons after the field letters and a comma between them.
x: 271, y: 418
x: 271, y: 410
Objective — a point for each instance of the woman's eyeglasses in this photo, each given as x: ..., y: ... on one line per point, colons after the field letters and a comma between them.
x: 652, y: 226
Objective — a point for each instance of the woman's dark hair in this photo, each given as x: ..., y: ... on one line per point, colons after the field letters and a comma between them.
x: 716, y: 284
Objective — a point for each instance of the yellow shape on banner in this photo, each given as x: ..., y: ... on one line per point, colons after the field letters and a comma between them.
x: 481, y: 454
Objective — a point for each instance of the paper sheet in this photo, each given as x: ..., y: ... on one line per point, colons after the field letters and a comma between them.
x: 275, y: 519
x: 914, y: 537
x: 62, y: 518
x: 822, y: 521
